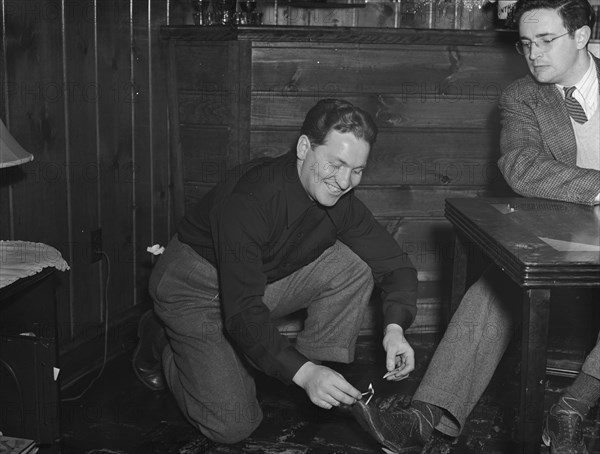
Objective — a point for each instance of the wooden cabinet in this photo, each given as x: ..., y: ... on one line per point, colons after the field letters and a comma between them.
x: 239, y: 93
x: 29, y: 392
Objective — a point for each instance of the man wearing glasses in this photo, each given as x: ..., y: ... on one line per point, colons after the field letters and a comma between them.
x: 550, y: 145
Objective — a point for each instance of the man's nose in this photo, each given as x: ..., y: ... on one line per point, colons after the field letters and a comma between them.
x: 344, y: 178
x: 534, y: 51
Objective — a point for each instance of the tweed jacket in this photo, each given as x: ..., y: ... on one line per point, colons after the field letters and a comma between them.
x: 538, y: 146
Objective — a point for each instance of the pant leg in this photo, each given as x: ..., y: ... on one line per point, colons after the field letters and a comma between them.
x: 591, y: 365
x: 335, y: 289
x: 470, y: 349
x: 208, y: 379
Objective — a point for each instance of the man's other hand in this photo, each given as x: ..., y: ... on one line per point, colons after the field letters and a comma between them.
x: 325, y: 387
x: 399, y: 355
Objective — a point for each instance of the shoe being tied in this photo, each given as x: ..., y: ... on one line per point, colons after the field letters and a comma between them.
x: 563, y: 432
x: 400, y: 431
x: 146, y: 360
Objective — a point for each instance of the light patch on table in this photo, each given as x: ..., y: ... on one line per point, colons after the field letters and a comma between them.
x: 569, y: 246
x: 503, y: 208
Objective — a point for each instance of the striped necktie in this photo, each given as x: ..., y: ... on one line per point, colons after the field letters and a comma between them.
x: 573, y: 107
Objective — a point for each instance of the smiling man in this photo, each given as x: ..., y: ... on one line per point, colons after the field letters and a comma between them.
x: 275, y: 236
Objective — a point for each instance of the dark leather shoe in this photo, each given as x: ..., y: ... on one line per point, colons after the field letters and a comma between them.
x: 399, y: 431
x: 146, y: 360
x: 563, y: 432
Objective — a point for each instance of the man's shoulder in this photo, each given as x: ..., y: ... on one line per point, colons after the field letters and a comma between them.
x: 522, y: 88
x: 265, y: 177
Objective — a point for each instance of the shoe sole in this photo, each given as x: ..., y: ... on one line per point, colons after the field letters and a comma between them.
x: 546, y: 440
x: 141, y: 324
x: 367, y: 423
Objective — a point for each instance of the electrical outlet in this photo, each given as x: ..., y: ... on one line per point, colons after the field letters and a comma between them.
x: 96, y: 245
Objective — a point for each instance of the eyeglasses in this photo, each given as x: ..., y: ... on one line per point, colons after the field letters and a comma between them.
x: 524, y: 46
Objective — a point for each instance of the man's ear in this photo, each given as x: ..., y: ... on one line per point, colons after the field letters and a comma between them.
x: 582, y: 36
x: 302, y: 147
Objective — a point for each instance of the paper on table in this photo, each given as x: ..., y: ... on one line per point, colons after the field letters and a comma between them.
x: 570, y: 246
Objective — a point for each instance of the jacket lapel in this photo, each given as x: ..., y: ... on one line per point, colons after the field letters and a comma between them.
x: 554, y: 121
x: 555, y: 124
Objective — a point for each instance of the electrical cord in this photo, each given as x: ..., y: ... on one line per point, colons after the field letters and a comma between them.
x: 104, y: 361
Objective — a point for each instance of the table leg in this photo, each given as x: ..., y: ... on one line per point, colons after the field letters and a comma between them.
x: 536, y: 310
x: 459, y: 274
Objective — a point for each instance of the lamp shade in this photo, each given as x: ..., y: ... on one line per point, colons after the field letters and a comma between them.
x: 11, y: 153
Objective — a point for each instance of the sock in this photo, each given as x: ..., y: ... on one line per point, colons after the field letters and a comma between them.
x: 581, y: 395
x: 430, y: 416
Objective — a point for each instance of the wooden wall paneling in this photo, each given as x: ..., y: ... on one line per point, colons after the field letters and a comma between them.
x: 413, y: 201
x: 203, y: 107
x: 36, y: 103
x: 175, y: 148
x: 203, y: 69
x: 335, y: 69
x: 241, y: 58
x: 143, y: 150
x: 428, y: 242
x: 116, y: 140
x: 81, y: 112
x: 6, y: 229
x: 159, y: 126
x: 428, y: 110
x: 205, y: 152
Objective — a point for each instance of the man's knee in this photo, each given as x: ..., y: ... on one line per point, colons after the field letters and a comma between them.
x: 230, y: 425
x: 231, y: 434
x: 359, y: 268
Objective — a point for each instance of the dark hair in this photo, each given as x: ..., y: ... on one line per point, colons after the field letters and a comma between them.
x: 574, y: 13
x: 337, y: 115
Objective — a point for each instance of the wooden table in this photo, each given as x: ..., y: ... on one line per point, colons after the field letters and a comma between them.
x: 541, y: 245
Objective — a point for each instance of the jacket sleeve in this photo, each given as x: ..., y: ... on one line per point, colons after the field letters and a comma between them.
x: 528, y: 165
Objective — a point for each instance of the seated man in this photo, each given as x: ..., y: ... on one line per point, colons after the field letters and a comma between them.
x: 550, y: 148
x: 275, y: 236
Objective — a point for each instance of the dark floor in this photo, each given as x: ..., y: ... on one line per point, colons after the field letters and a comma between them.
x: 120, y: 416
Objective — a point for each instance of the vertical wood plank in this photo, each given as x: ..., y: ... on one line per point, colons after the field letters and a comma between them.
x: 175, y: 154
x: 6, y: 230
x: 159, y: 126
x: 115, y: 132
x: 143, y: 150
x: 241, y: 74
x: 81, y: 112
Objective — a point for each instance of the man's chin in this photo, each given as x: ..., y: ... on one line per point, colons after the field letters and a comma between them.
x: 329, y: 200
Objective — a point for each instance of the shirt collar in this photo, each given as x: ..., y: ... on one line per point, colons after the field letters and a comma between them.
x: 297, y: 199
x: 586, y: 89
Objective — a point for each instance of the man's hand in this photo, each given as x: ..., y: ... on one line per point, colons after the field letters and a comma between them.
x: 400, y: 357
x: 325, y: 387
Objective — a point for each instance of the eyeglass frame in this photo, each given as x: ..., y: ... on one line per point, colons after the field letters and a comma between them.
x: 548, y: 42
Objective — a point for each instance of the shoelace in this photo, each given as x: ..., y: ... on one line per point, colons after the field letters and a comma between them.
x: 422, y: 419
x: 569, y: 427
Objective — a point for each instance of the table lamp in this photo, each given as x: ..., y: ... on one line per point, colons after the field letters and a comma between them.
x: 20, y: 259
x: 11, y: 153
